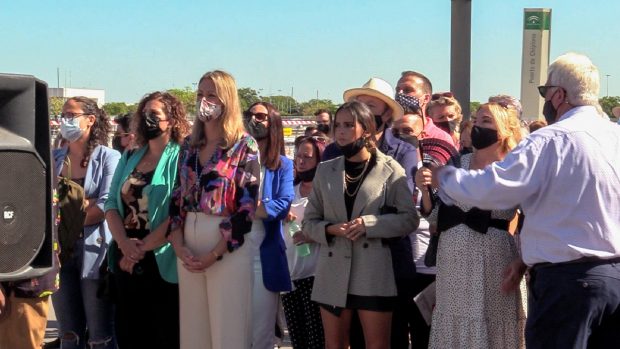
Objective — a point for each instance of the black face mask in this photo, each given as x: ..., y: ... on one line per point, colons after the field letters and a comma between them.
x: 116, y: 144
x: 324, y: 128
x: 411, y: 139
x: 151, y: 125
x: 483, y: 137
x: 448, y: 126
x: 550, y: 112
x: 257, y: 129
x: 305, y: 176
x: 351, y: 149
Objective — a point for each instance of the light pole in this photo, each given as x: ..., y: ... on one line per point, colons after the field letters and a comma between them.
x: 607, y: 75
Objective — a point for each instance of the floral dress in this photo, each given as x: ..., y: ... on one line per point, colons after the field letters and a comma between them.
x: 471, y: 311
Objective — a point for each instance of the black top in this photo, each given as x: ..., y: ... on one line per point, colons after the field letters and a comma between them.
x: 135, y: 201
x: 354, y: 169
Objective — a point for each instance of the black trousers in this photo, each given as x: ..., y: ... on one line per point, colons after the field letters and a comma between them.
x: 147, y: 308
x: 574, y: 305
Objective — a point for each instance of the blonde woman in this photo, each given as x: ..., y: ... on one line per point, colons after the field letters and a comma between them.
x: 474, y: 249
x: 212, y: 212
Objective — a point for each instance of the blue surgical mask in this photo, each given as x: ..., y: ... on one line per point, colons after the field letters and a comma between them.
x: 70, y: 129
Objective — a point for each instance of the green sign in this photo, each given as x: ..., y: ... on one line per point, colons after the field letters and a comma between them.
x: 537, y: 20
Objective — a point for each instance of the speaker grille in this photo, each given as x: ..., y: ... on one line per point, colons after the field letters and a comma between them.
x: 22, y: 209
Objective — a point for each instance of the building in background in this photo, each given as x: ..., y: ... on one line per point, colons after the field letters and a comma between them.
x: 68, y: 92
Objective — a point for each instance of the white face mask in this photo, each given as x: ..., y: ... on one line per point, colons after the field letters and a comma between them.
x: 207, y: 111
x: 70, y: 129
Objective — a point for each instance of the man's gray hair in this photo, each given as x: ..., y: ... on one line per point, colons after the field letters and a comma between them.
x: 578, y: 76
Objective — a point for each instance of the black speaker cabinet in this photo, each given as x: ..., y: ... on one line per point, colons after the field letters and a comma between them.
x: 26, y: 186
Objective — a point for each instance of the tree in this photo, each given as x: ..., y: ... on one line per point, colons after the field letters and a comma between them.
x: 309, y: 107
x: 187, y: 96
x: 473, y: 107
x: 118, y: 108
x: 608, y: 103
x: 247, y: 97
x: 55, y: 105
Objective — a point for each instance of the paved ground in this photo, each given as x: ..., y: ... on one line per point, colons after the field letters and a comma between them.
x: 52, y: 330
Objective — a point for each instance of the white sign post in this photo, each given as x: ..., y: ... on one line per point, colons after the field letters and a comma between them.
x: 536, y: 37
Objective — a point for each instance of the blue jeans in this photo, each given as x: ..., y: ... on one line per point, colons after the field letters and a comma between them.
x: 77, y: 308
x: 574, y: 305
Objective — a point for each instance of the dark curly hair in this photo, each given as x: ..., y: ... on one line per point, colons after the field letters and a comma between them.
x: 100, y: 131
x: 173, y: 108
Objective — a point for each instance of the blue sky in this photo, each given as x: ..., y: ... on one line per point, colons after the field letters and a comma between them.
x: 130, y: 48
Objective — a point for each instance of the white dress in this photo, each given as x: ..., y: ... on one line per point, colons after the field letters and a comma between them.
x: 471, y: 311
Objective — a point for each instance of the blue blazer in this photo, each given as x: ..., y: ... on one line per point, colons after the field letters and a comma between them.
x: 99, y: 173
x: 278, y: 194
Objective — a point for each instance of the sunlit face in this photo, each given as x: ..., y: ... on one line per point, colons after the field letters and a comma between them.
x: 73, y: 110
x: 156, y: 107
x: 485, y: 119
x: 206, y: 89
x: 409, y: 124
x: 442, y: 113
x: 322, y: 119
x: 305, y: 159
x: 346, y: 128
x: 413, y: 86
x: 376, y: 106
x: 260, y: 113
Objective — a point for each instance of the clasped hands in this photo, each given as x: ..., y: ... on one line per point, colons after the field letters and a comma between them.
x: 351, y: 230
x: 133, y: 251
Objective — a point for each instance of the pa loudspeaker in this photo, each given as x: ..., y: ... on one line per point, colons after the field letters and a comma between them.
x: 26, y: 190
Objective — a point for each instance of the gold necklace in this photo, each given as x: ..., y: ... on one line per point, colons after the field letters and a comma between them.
x: 358, y: 177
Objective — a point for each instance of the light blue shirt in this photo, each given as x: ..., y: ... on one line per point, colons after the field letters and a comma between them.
x: 565, y: 177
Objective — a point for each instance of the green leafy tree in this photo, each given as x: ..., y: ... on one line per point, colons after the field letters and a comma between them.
x: 55, y: 105
x: 473, y: 107
x: 608, y: 103
x: 187, y: 96
x: 247, y: 97
x: 309, y: 107
x: 118, y: 108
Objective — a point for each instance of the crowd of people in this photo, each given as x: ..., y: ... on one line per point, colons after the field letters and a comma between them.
x: 202, y: 235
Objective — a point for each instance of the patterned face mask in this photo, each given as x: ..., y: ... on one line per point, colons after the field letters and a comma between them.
x: 207, y: 111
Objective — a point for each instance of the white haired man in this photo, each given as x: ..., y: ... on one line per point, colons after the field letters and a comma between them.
x: 566, y: 178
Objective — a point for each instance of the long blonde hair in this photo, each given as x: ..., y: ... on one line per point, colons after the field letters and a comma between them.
x: 508, y: 125
x: 230, y: 123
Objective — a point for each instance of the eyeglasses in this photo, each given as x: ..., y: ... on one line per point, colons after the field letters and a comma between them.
x: 260, y: 117
x: 543, y: 90
x: 123, y: 134
x: 436, y: 96
x: 71, y: 115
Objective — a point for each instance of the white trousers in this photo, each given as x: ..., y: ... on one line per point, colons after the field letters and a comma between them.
x: 264, y: 302
x: 215, y: 311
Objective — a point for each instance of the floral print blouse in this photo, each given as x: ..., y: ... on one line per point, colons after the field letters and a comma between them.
x: 227, y: 185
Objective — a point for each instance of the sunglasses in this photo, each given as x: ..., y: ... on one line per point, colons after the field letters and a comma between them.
x: 150, y: 114
x: 260, y: 117
x: 543, y: 90
x: 436, y: 96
